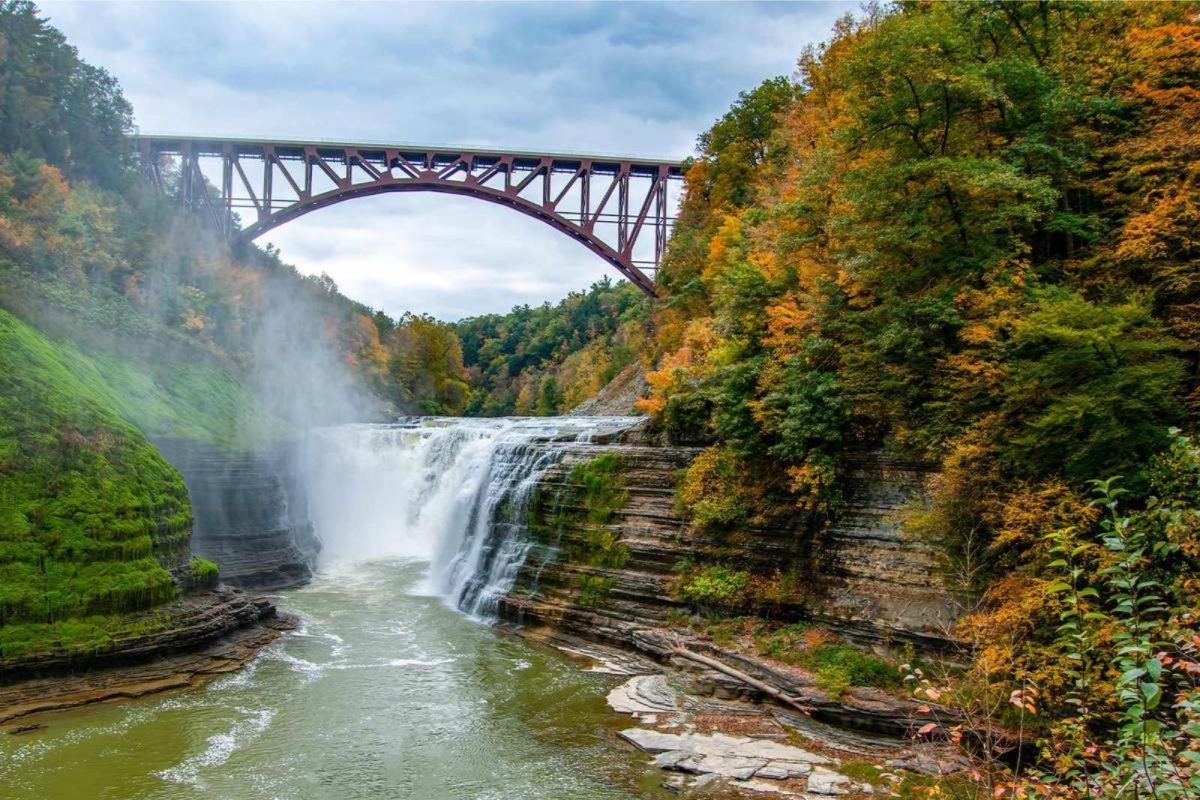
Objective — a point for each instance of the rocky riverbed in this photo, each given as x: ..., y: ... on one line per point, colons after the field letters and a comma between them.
x: 708, y: 746
x: 862, y: 579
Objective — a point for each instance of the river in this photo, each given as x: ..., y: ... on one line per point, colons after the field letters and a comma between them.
x: 395, y: 685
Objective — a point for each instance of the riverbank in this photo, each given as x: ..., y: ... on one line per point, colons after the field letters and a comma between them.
x: 175, y: 647
x: 713, y: 734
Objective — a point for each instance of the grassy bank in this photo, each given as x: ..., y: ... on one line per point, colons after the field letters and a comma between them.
x: 91, y: 515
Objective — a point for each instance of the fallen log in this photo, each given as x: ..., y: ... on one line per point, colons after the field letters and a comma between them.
x: 737, y: 674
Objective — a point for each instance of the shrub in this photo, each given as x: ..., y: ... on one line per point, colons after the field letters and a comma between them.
x: 593, y: 589
x: 600, y: 486
x: 785, y: 644
x: 203, y: 572
x: 1091, y: 390
x: 1091, y: 644
x: 685, y: 419
x: 602, y: 549
x: 678, y: 618
x: 838, y: 665
x: 775, y: 592
x: 715, y: 587
x: 712, y: 493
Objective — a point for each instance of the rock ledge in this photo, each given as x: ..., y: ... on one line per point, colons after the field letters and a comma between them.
x: 208, y: 634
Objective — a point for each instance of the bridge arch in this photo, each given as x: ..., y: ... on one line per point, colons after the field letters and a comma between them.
x: 607, y: 204
x: 631, y: 271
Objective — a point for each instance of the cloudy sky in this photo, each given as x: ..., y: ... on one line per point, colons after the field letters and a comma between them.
x: 636, y: 78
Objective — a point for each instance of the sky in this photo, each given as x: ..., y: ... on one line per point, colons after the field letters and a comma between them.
x: 638, y: 78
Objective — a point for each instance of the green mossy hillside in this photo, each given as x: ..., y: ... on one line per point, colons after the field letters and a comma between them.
x: 181, y: 400
x: 91, y: 515
x: 175, y: 389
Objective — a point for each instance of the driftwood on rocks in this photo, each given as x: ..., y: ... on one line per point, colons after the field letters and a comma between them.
x: 737, y: 674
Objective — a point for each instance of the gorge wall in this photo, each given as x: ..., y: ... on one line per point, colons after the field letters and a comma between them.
x: 249, y: 511
x: 863, y: 576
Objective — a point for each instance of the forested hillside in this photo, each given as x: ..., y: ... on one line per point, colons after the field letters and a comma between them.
x: 549, y: 359
x: 967, y: 234
x: 123, y: 319
x: 91, y: 253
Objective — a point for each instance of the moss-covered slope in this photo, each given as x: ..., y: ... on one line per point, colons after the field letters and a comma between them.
x: 91, y: 516
x: 167, y: 386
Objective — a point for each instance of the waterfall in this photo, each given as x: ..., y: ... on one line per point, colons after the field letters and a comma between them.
x: 452, y: 492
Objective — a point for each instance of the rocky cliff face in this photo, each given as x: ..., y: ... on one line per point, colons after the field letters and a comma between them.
x: 249, y: 513
x: 863, y: 576
x: 618, y: 397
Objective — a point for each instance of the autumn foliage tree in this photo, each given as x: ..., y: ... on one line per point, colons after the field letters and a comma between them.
x: 965, y: 233
x: 547, y: 360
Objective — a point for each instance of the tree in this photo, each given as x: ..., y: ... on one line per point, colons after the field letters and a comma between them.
x: 57, y: 107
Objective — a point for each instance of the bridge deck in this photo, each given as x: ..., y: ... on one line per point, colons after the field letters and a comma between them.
x: 294, y: 149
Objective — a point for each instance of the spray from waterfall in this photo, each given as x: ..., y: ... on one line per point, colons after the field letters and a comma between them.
x: 453, y: 492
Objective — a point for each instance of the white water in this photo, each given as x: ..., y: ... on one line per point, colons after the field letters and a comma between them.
x: 452, y: 492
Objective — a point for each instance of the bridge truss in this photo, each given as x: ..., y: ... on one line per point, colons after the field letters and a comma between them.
x: 620, y: 208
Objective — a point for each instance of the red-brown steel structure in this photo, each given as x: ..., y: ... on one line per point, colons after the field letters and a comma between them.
x: 277, y: 181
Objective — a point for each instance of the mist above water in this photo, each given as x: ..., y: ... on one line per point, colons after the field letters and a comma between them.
x: 452, y: 492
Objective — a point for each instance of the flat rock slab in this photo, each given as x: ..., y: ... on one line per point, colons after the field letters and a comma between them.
x: 824, y: 781
x: 655, y: 741
x: 644, y: 694
x: 768, y: 787
x: 777, y: 751
x: 783, y: 770
x: 741, y: 759
x: 671, y: 759
x: 609, y: 660
x: 719, y: 744
x: 735, y: 767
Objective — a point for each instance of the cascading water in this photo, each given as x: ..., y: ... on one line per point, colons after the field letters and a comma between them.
x: 453, y: 492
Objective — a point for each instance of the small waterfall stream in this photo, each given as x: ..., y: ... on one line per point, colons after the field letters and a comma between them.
x: 453, y: 492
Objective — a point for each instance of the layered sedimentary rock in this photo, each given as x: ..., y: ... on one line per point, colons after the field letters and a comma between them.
x: 183, y: 625
x: 169, y: 647
x: 249, y: 513
x: 863, y: 576
x: 872, y: 581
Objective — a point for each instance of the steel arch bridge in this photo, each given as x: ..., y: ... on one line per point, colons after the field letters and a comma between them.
x: 617, y: 207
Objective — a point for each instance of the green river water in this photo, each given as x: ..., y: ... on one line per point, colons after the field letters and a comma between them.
x: 382, y: 693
